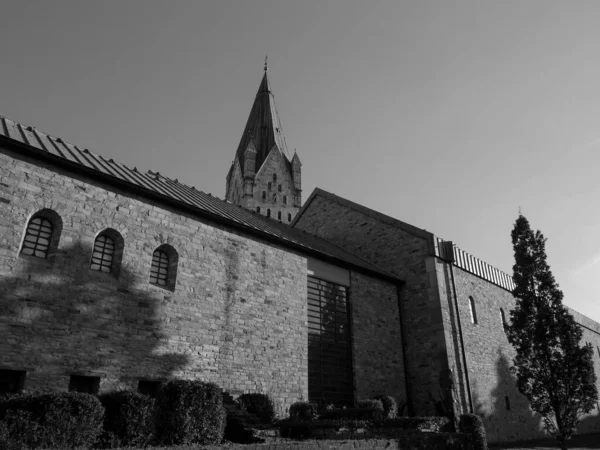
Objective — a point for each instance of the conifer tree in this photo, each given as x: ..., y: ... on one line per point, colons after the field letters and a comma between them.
x: 553, y: 371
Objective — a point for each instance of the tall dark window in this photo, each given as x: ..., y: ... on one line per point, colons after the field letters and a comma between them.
x: 264, y: 195
x: 269, y: 186
x: 503, y: 319
x: 268, y: 212
x: 274, y: 178
x: 330, y: 378
x: 285, y: 200
x: 37, y: 237
x: 103, y: 254
x: 258, y: 209
x: 472, y: 310
x: 289, y: 217
x: 279, y: 188
x: 279, y: 215
x: 274, y: 198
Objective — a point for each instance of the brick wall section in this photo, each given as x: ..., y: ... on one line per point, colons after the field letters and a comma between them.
x: 237, y: 315
x: 404, y: 255
x: 376, y: 338
x: 489, y: 357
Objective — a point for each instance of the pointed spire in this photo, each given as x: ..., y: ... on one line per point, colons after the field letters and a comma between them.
x: 266, y: 66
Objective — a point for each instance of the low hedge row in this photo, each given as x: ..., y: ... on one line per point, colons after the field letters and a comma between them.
x: 184, y: 413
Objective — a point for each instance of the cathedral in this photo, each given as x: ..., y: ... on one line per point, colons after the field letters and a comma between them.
x: 113, y: 277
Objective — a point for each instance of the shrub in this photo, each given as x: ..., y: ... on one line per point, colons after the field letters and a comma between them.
x: 303, y: 410
x: 434, y: 423
x: 189, y: 412
x: 129, y: 419
x: 261, y: 405
x: 390, y: 407
x: 370, y: 403
x: 61, y: 419
x: 471, y: 424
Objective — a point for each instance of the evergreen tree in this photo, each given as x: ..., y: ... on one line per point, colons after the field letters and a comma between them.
x: 553, y: 371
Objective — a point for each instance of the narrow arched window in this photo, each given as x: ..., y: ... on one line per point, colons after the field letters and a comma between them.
x: 472, y: 310
x: 285, y: 200
x: 269, y: 186
x: 503, y: 319
x: 104, y: 251
x: 279, y: 215
x: 268, y: 212
x: 264, y: 195
x: 107, y: 253
x: 163, y: 271
x: 258, y: 209
x: 274, y: 198
x: 274, y: 178
x: 279, y: 188
x: 289, y: 217
x: 42, y: 234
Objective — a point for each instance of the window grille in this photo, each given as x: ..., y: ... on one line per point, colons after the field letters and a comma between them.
x: 37, y: 237
x: 103, y: 254
x: 159, y: 271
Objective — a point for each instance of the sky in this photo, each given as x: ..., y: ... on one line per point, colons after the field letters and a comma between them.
x: 449, y: 115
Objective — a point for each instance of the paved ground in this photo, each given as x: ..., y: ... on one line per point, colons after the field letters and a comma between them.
x: 576, y: 443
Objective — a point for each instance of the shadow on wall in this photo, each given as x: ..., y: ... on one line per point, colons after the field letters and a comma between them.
x: 506, y: 413
x: 59, y: 318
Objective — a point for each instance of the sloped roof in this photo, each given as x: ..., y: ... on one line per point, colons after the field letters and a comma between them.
x: 263, y: 127
x: 36, y: 143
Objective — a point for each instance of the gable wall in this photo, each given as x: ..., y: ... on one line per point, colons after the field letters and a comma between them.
x: 237, y: 315
x: 403, y: 255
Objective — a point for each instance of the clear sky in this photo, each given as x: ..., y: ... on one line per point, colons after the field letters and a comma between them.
x: 448, y: 115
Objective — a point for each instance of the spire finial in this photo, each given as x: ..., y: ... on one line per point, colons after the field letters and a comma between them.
x: 266, y: 67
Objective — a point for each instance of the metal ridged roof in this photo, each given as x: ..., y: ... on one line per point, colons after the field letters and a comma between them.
x: 173, y: 190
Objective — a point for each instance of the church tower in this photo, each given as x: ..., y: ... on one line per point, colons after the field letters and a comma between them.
x: 262, y: 178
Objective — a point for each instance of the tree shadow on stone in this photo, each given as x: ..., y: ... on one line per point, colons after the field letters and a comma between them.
x: 59, y: 318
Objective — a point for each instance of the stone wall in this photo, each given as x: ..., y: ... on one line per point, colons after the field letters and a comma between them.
x: 404, y: 254
x: 505, y: 412
x: 376, y: 339
x: 237, y: 315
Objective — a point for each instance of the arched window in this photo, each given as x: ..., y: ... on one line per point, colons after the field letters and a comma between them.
x: 279, y: 215
x: 42, y: 234
x: 279, y: 188
x: 289, y: 217
x: 268, y: 212
x: 258, y: 209
x: 285, y: 199
x: 269, y: 186
x: 107, y: 253
x: 163, y: 271
x: 503, y: 319
x: 274, y: 178
x: 264, y: 195
x: 274, y: 198
x: 472, y: 310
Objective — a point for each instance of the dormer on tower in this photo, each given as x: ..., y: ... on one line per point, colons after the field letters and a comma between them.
x: 262, y: 178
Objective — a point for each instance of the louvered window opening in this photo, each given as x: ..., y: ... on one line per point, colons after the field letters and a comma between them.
x: 102, y: 257
x: 330, y: 378
x: 37, y: 237
x: 159, y: 271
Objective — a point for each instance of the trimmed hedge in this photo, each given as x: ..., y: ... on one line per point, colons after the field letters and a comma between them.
x: 189, y: 412
x: 59, y: 420
x: 390, y: 407
x: 435, y: 423
x: 471, y: 424
x: 367, y: 413
x: 303, y: 411
x: 129, y: 419
x: 261, y: 405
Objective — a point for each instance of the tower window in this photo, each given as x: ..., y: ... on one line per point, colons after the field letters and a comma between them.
x: 268, y: 212
x: 274, y: 178
x: 274, y: 198
x: 473, y: 310
x: 279, y: 188
x: 264, y: 195
x: 507, y: 403
x: 503, y: 319
x: 258, y: 209
x: 289, y: 217
x: 279, y: 215
x: 269, y: 186
x: 285, y: 199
